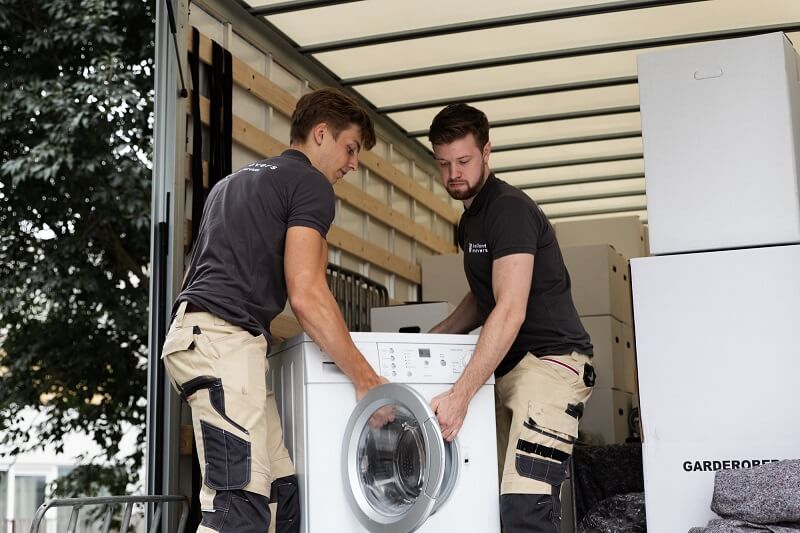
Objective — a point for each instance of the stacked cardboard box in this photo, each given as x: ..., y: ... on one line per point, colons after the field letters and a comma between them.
x: 409, y: 318
x: 443, y: 278
x: 601, y: 291
x: 717, y: 330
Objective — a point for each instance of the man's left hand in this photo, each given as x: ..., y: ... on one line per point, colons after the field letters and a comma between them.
x: 450, y: 408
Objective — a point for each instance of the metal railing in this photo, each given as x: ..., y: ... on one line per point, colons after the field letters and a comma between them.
x: 356, y: 295
x: 110, y: 502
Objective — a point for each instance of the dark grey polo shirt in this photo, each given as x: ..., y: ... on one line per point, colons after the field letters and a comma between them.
x: 503, y: 220
x: 236, y: 271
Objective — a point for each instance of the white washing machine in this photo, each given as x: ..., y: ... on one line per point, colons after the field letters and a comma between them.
x: 401, y: 477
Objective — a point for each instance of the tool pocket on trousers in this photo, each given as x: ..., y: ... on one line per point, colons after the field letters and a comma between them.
x: 227, y: 458
x: 559, y: 420
x: 178, y: 340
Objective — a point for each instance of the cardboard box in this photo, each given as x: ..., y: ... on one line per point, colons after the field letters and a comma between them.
x: 717, y: 341
x: 625, y: 234
x: 605, y: 419
x: 614, y: 359
x: 720, y: 127
x: 409, y: 318
x: 443, y: 278
x: 600, y: 281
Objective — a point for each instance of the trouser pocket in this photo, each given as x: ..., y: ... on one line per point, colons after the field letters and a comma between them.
x: 227, y: 458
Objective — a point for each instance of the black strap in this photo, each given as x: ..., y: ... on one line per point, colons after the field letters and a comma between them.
x: 198, y: 192
x: 221, y: 118
x: 542, y: 450
x: 575, y: 410
x: 227, y: 114
x: 216, y: 396
x: 531, y: 424
x: 215, y: 117
x: 195, y: 384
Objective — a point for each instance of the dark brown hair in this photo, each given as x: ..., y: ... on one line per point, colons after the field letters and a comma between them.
x: 456, y: 121
x: 336, y: 109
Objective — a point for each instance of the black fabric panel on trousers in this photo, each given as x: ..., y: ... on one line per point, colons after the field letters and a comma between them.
x: 542, y: 450
x: 541, y: 469
x: 285, y: 494
x: 227, y: 458
x: 238, y: 511
x: 198, y: 193
x: 528, y: 513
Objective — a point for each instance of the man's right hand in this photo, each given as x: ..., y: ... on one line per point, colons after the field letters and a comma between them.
x: 382, y: 416
x: 363, y: 388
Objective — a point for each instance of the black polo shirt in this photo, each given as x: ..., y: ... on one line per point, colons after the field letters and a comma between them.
x: 236, y: 271
x: 503, y: 220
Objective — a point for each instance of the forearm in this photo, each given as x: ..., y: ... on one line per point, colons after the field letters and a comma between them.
x: 498, y: 334
x: 319, y: 316
x: 463, y: 319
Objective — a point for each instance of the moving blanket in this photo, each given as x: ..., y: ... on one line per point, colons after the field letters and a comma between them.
x: 764, y: 498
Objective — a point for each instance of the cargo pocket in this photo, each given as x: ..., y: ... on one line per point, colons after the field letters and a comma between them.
x: 545, y: 444
x: 227, y: 458
x: 178, y: 340
x: 560, y: 419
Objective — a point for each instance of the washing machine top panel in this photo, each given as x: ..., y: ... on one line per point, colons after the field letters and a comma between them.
x: 399, y: 357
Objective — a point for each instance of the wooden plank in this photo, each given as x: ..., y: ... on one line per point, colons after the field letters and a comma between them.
x: 265, y: 145
x: 344, y: 240
x: 392, y: 218
x: 271, y: 94
x: 262, y: 88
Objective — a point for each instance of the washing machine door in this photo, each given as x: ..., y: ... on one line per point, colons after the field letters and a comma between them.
x: 393, y: 473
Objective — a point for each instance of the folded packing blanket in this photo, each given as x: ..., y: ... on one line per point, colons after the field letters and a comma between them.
x: 725, y: 525
x: 767, y: 494
x: 753, y: 500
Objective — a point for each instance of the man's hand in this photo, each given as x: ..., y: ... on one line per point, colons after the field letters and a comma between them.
x: 450, y: 408
x: 363, y: 389
x: 382, y: 416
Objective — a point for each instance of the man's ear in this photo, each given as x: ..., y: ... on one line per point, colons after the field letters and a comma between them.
x: 487, y: 149
x: 318, y: 132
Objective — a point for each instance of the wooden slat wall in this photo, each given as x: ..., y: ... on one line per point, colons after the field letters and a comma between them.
x: 273, y: 95
x: 259, y: 142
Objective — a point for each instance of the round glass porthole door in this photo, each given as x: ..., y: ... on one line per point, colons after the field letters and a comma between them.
x: 394, y: 459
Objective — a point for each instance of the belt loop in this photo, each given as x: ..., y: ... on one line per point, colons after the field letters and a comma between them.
x: 180, y: 313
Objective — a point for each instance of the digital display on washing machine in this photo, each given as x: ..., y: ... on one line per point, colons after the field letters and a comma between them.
x: 425, y: 352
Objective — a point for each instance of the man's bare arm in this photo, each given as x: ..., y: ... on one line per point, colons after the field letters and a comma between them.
x: 305, y: 260
x: 463, y: 319
x: 511, y: 283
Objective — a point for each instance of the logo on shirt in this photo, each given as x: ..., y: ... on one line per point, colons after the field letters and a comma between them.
x: 477, y: 248
x: 255, y: 167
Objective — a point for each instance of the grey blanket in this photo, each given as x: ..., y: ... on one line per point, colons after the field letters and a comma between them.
x: 725, y: 525
x: 753, y: 500
x: 767, y: 494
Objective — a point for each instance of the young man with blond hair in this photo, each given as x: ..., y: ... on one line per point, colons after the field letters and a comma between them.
x: 261, y: 241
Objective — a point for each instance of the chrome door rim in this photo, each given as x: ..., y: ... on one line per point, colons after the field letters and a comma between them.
x: 371, y: 518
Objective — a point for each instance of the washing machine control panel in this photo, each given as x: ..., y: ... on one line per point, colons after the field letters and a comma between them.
x: 423, y: 363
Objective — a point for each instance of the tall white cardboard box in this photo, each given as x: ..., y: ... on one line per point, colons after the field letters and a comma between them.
x: 720, y: 125
x: 718, y: 356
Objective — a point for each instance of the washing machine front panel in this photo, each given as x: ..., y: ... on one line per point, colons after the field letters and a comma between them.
x: 394, y: 472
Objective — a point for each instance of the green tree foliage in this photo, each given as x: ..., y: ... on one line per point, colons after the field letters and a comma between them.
x: 75, y: 142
